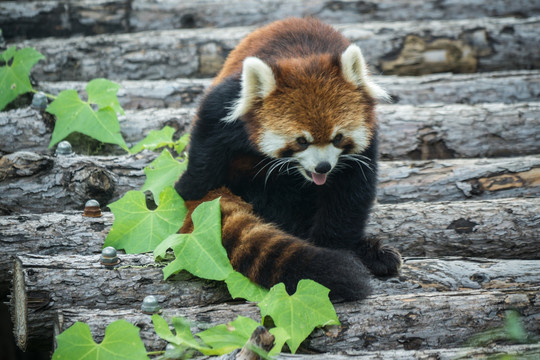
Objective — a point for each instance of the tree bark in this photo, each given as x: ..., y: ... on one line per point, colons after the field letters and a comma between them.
x: 506, y: 228
x: 458, y: 179
x: 406, y: 131
x: 382, y: 322
x: 529, y: 352
x: 43, y: 183
x: 69, y: 181
x: 175, y: 93
x: 497, y: 87
x: 401, y: 48
x: 43, y: 285
x: 90, y: 17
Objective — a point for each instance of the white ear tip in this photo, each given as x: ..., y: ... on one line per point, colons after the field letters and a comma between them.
x: 355, y: 70
x: 257, y: 82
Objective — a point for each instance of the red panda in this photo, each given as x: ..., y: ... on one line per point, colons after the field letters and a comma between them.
x: 287, y: 137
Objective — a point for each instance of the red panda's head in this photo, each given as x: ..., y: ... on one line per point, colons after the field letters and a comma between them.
x: 310, y: 111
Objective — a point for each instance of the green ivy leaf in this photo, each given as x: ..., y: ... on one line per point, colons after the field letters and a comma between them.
x: 155, y: 140
x: 241, y: 287
x: 137, y: 229
x: 162, y: 172
x: 225, y: 338
x: 75, y: 115
x: 15, y: 74
x: 121, y: 341
x: 308, y: 308
x: 201, y: 252
x: 102, y: 92
x: 181, y: 143
x: 280, y: 337
x: 182, y: 336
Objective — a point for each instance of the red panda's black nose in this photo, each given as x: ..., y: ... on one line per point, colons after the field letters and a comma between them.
x: 323, y: 167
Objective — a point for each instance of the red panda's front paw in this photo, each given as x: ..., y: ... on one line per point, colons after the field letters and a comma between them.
x: 384, y: 261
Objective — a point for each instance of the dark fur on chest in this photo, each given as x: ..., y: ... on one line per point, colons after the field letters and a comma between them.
x: 221, y: 154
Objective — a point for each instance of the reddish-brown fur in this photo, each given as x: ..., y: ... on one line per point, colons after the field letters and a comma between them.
x: 311, y: 94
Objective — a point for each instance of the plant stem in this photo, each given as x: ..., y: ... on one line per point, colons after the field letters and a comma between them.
x: 50, y: 96
x: 153, y: 353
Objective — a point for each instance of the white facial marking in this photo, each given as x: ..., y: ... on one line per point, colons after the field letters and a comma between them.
x: 270, y: 143
x: 361, y: 139
x: 315, y: 154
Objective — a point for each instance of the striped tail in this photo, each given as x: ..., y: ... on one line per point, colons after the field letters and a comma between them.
x: 268, y: 255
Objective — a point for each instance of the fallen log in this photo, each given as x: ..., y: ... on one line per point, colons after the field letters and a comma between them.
x: 30, y: 182
x: 144, y: 94
x: 34, y: 19
x: 194, y: 14
x: 382, y: 322
x: 401, y: 48
x: 505, y: 228
x: 27, y: 129
x: 73, y: 180
x: 458, y: 179
x: 493, y: 351
x: 499, y: 87
x: 90, y: 17
x: 527, y: 351
x: 42, y: 285
x: 406, y: 131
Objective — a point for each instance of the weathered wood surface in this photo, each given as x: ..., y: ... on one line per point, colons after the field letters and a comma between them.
x: 30, y: 182
x: 522, y: 352
x: 494, y: 228
x: 458, y: 179
x: 52, y: 283
x: 402, y: 48
x: 37, y: 19
x: 144, y: 94
x: 406, y: 131
x: 58, y: 183
x: 29, y: 18
x: 499, y: 87
x: 506, y: 228
x: 147, y: 15
x: 381, y: 322
x: 27, y: 129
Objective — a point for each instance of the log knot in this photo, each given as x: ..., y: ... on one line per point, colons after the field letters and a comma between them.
x: 420, y: 56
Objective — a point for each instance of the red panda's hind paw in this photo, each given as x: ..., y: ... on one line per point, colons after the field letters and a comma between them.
x: 385, y: 261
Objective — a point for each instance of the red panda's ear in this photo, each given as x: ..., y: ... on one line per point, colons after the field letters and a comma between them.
x: 355, y: 71
x: 257, y: 82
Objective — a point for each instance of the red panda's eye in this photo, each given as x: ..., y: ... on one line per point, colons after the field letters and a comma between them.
x: 337, y: 139
x: 302, y: 141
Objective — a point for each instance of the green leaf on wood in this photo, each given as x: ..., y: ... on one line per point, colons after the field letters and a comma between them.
x: 162, y: 172
x: 154, y: 140
x: 225, y: 338
x: 200, y: 252
x: 138, y: 229
x: 75, y: 115
x: 182, y: 335
x: 300, y: 313
x: 15, y: 74
x: 121, y: 341
x: 241, y: 287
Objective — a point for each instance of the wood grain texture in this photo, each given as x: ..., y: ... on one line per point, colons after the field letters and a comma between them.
x: 402, y: 48
x: 417, y: 132
x: 393, y: 322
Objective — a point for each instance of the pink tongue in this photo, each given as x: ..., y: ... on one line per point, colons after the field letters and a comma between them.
x: 318, y: 179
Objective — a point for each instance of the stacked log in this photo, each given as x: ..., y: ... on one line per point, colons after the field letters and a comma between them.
x: 459, y: 177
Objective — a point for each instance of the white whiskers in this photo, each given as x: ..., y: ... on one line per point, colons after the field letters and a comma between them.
x: 360, y: 160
